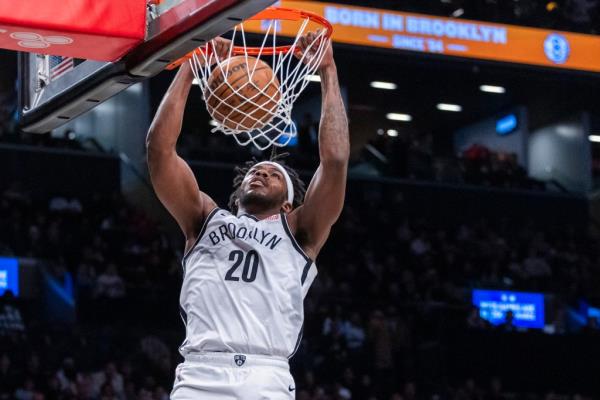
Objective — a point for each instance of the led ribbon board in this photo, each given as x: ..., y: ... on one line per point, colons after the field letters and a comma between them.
x: 453, y: 37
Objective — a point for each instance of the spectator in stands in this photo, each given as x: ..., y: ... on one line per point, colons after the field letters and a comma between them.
x: 25, y: 391
x: 62, y: 204
x: 353, y: 332
x: 11, y: 319
x: 382, y: 353
x: 109, y: 382
x: 536, y: 267
x: 67, y: 377
x: 86, y: 279
x: 7, y: 377
x: 509, y: 322
x: 474, y: 320
x: 591, y: 327
x: 470, y: 391
x: 110, y: 284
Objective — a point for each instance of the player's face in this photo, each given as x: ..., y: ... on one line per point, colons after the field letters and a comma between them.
x: 265, y: 186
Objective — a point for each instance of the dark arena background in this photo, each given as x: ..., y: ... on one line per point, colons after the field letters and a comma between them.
x: 465, y: 265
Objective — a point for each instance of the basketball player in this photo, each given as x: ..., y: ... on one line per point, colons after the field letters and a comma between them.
x: 247, y: 270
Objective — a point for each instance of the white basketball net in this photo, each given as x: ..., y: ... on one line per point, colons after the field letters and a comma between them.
x: 290, y: 70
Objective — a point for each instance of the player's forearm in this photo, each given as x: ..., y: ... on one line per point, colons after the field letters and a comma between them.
x: 334, y: 141
x: 166, y: 126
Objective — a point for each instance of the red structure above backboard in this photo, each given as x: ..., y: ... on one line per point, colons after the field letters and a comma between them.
x: 88, y: 29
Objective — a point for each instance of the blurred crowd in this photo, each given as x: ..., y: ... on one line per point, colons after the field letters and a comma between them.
x: 407, y: 156
x: 368, y: 313
x: 75, y: 364
x: 414, y: 157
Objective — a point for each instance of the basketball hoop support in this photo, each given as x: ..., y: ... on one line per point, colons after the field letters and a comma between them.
x: 91, y: 82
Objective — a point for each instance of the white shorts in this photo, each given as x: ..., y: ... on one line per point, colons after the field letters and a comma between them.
x: 229, y: 376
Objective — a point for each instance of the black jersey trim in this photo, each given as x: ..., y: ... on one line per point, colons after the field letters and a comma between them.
x: 204, y: 225
x: 298, y: 341
x: 309, y: 263
x: 287, y: 230
x: 183, y: 315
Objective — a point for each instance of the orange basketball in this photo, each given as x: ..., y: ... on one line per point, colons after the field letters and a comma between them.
x: 247, y: 98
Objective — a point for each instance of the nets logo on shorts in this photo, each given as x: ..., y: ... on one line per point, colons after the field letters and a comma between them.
x: 557, y: 48
x: 239, y: 359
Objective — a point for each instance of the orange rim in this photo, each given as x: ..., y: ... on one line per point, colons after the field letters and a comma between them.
x: 281, y: 13
x: 287, y: 14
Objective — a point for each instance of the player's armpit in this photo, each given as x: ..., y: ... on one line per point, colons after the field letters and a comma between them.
x: 177, y: 189
x: 323, y: 204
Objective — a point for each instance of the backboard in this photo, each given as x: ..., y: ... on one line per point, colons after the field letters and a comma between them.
x: 53, y: 90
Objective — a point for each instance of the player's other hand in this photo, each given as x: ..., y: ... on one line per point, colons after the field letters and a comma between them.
x: 307, y: 49
x: 221, y: 49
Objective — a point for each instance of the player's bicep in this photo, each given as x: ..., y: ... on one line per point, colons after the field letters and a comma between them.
x: 177, y: 189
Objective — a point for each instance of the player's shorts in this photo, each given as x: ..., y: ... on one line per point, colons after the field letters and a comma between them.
x: 229, y: 376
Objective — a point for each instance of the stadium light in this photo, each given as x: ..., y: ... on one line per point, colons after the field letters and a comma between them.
x: 399, y: 117
x: 212, y: 122
x: 196, y: 82
x: 392, y: 132
x: 492, y: 89
x: 594, y: 138
x: 449, y: 107
x: 384, y: 85
x: 313, y: 78
x: 458, y: 12
x: 551, y: 6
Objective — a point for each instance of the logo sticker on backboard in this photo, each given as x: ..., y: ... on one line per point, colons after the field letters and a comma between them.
x: 557, y: 48
x: 32, y: 40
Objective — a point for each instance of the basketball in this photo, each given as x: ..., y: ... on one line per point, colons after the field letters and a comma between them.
x: 242, y: 93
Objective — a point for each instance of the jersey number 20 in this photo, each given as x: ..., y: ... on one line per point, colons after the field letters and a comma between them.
x: 250, y: 261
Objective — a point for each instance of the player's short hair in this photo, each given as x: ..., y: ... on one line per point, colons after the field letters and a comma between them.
x: 242, y: 171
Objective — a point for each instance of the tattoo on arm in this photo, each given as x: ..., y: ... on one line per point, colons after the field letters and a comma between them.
x: 334, y: 143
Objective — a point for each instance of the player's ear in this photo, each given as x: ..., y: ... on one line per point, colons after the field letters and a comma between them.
x: 287, y: 207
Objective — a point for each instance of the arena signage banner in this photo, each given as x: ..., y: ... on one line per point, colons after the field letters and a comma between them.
x: 9, y: 275
x: 453, y: 37
x: 527, y: 308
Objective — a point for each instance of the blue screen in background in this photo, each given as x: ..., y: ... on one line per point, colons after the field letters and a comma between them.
x: 528, y: 308
x: 507, y: 125
x: 587, y: 311
x: 284, y: 138
x: 9, y: 275
x: 593, y: 312
x: 290, y: 130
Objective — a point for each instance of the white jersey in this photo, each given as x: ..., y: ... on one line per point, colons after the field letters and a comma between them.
x: 244, y: 286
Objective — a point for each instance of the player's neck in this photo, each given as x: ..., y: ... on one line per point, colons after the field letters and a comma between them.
x: 259, y: 213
